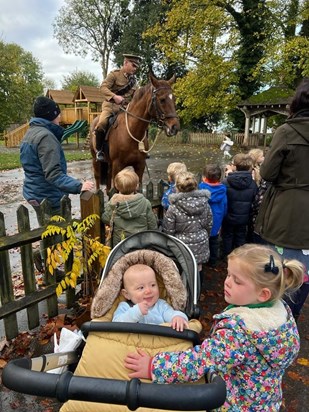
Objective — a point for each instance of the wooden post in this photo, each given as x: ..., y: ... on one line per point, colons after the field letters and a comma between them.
x: 23, y: 224
x: 66, y: 213
x: 6, y: 287
x: 93, y: 203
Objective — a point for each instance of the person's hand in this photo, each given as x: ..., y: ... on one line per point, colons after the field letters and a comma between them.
x: 179, y: 323
x: 143, y: 307
x: 87, y: 186
x: 139, y: 363
x: 118, y: 99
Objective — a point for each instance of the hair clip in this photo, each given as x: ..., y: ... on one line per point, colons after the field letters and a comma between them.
x: 271, y: 267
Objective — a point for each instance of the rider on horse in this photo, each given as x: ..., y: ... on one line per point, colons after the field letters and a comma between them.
x: 118, y: 88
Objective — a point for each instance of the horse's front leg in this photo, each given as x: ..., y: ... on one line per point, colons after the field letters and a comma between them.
x: 139, y: 170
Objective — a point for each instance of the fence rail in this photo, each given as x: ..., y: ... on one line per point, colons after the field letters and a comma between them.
x: 90, y: 203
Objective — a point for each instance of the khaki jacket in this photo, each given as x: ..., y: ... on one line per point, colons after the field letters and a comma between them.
x: 283, y: 217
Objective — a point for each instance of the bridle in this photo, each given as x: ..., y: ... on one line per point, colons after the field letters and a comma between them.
x: 159, y: 115
x: 159, y: 118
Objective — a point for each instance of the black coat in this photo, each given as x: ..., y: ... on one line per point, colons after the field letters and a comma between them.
x: 241, y: 190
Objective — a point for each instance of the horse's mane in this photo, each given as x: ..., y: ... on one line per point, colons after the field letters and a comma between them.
x: 141, y: 91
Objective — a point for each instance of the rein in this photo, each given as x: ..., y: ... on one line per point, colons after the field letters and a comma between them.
x: 160, y: 117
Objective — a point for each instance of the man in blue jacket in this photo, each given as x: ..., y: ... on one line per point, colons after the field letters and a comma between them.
x: 43, y: 160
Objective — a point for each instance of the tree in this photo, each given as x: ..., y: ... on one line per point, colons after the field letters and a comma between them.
x: 231, y: 49
x: 91, y: 26
x: 79, y: 78
x: 286, y: 55
x: 145, y: 14
x: 21, y: 80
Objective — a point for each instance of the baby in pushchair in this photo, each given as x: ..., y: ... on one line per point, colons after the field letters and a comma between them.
x: 109, y: 342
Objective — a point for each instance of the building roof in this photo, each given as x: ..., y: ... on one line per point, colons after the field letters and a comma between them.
x: 61, y: 96
x: 89, y: 94
x: 274, y: 100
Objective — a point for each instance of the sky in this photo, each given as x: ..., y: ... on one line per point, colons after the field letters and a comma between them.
x: 28, y: 23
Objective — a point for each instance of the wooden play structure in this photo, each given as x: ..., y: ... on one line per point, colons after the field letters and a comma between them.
x: 77, y: 110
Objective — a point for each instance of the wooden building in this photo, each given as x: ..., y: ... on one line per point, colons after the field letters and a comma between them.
x: 257, y: 109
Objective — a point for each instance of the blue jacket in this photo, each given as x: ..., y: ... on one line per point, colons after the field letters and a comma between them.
x: 217, y: 202
x: 165, y: 198
x: 44, y: 164
x: 159, y: 313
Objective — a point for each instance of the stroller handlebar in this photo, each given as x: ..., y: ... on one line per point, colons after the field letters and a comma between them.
x: 18, y: 376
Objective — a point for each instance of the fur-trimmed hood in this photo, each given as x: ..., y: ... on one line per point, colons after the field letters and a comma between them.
x: 168, y: 277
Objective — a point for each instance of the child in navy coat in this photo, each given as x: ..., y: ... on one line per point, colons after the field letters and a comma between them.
x: 241, y: 190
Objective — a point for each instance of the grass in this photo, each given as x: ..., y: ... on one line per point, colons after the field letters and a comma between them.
x: 9, y: 157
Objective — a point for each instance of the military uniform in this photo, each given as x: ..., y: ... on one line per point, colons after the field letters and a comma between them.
x: 115, y: 82
x: 119, y: 82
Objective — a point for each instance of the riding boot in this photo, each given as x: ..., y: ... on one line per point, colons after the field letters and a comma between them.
x: 99, y: 137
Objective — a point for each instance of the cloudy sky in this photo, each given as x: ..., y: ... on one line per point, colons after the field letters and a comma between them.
x: 28, y: 23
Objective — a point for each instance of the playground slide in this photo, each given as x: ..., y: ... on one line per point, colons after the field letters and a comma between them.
x: 77, y: 126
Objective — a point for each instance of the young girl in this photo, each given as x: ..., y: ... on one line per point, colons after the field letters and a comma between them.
x: 253, y: 340
x: 189, y: 217
x: 257, y: 155
x: 128, y: 212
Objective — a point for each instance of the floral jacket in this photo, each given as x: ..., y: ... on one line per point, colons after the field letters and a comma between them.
x: 249, y: 348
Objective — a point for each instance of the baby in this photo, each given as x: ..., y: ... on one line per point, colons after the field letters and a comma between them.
x: 143, y: 304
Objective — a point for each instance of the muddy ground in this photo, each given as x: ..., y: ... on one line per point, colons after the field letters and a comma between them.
x: 296, y: 382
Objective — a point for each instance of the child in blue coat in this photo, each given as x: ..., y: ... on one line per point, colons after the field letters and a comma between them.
x: 218, y: 202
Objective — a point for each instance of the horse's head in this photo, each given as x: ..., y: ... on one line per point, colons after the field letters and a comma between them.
x: 163, y: 105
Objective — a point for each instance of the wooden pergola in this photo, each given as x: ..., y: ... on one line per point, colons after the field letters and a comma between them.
x: 259, y: 108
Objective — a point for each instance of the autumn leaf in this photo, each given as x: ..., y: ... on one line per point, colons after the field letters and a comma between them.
x: 303, y: 362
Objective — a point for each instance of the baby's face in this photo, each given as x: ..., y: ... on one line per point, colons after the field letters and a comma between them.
x: 141, y: 285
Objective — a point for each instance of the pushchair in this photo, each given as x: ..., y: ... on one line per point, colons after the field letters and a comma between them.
x: 100, y: 381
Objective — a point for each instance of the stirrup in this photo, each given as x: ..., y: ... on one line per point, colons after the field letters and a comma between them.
x: 99, y: 156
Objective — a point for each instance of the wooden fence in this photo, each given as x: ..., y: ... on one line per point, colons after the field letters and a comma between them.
x: 205, y: 139
x: 90, y: 203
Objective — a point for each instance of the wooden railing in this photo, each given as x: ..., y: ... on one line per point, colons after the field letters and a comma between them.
x: 90, y: 203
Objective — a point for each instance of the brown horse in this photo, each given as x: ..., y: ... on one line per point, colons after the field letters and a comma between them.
x: 127, y: 137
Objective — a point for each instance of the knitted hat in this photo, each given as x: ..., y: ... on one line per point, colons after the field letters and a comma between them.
x: 46, y: 108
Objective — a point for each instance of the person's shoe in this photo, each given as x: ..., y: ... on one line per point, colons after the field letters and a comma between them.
x: 99, y: 156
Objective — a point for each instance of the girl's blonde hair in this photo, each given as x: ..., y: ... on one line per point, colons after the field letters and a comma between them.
x: 267, y: 269
x: 174, y: 168
x: 186, y: 182
x: 126, y: 181
x: 255, y: 154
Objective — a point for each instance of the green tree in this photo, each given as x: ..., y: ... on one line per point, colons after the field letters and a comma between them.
x: 286, y: 55
x: 91, y: 26
x: 144, y: 15
x: 21, y: 80
x: 79, y: 78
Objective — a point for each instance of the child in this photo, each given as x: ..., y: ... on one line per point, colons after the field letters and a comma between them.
x: 143, y: 304
x: 252, y: 341
x: 257, y: 155
x: 218, y: 203
x: 226, y: 145
x: 172, y: 170
x: 241, y: 190
x: 128, y: 212
x: 189, y: 217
